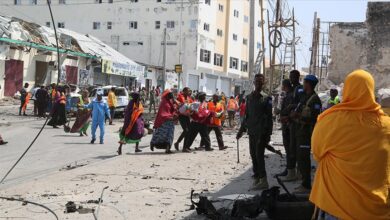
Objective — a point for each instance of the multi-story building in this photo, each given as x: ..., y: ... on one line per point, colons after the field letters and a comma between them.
x: 210, y: 38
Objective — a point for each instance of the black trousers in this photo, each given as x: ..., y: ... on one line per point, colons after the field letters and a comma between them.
x: 112, y: 113
x: 218, y: 135
x: 41, y: 109
x: 303, y: 155
x: 185, y: 125
x: 292, y: 152
x: 195, y: 129
x: 21, y: 106
x: 286, y: 140
x: 256, y: 149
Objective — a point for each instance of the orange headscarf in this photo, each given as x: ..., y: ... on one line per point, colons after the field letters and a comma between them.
x: 137, y: 111
x: 351, y: 143
x: 358, y: 95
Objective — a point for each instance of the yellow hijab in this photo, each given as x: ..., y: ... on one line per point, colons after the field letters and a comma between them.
x: 351, y: 143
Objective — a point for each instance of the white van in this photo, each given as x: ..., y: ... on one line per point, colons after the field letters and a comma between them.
x: 121, y: 93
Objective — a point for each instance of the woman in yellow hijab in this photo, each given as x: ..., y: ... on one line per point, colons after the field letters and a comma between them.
x: 351, y: 143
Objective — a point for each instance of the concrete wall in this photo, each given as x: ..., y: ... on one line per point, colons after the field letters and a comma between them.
x: 363, y: 45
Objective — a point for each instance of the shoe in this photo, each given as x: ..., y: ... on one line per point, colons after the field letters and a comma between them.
x: 261, y: 185
x: 176, y: 146
x: 284, y: 173
x: 200, y: 148
x: 209, y: 149
x: 186, y: 150
x: 119, y: 151
x: 3, y: 142
x: 152, y: 147
x: 93, y: 141
x: 81, y: 135
x: 223, y: 148
x: 138, y: 150
x: 85, y: 133
x: 291, y: 176
x: 168, y: 152
x: 101, y: 142
x: 255, y: 181
x: 302, y: 190
x: 24, y: 114
x: 55, y: 126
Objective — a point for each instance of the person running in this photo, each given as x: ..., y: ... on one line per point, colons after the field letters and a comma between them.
x: 216, y: 109
x: 2, y: 142
x: 42, y: 99
x: 184, y: 99
x: 164, y: 124
x: 232, y: 108
x: 133, y: 127
x: 112, y: 103
x: 152, y: 100
x: 58, y: 113
x: 23, y: 99
x: 100, y: 111
x: 351, y: 145
x: 200, y: 119
x: 82, y: 122
x: 258, y: 123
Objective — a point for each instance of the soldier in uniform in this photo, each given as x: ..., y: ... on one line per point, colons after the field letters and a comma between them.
x: 258, y: 122
x: 298, y: 92
x: 306, y: 115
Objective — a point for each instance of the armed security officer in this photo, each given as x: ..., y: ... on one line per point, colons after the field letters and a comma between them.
x: 306, y: 115
x: 258, y: 122
x: 298, y: 92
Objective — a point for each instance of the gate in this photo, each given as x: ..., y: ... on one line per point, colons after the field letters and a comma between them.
x: 13, y: 77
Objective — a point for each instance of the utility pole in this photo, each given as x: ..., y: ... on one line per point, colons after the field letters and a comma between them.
x: 251, y: 40
x: 58, y: 49
x: 294, y: 42
x: 314, y: 46
x: 262, y: 32
x: 180, y: 42
x: 273, y: 61
x: 164, y: 59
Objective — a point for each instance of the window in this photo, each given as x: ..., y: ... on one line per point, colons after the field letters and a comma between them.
x: 134, y: 1
x: 96, y: 25
x: 218, y: 59
x: 110, y: 1
x: 33, y: 2
x: 245, y: 41
x: 219, y: 32
x: 206, y: 27
x: 133, y: 25
x: 109, y: 25
x: 171, y: 24
x: 258, y: 23
x: 246, y: 19
x: 235, y: 37
x: 233, y: 63
x: 236, y: 13
x: 133, y: 43
x: 17, y: 2
x: 157, y: 24
x: 61, y: 24
x: 62, y: 2
x: 258, y: 45
x: 207, y: 2
x: 244, y: 66
x: 220, y: 7
x: 99, y: 1
x: 48, y: 24
x: 205, y: 56
x: 158, y: 0
x: 194, y: 24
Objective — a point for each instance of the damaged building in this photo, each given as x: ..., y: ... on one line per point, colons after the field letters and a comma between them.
x: 28, y: 53
x: 362, y: 45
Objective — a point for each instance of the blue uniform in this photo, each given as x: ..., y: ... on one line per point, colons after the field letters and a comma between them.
x: 99, y: 111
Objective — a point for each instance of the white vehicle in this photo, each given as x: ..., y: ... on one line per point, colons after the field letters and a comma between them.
x: 121, y: 93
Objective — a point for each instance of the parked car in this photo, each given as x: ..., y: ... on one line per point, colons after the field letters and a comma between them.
x: 121, y: 94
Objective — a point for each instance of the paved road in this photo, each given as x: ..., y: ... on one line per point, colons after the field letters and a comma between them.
x: 53, y: 150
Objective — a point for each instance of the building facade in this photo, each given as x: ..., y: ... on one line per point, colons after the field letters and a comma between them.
x: 210, y: 38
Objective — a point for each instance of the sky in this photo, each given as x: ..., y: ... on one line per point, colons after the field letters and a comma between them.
x: 327, y: 10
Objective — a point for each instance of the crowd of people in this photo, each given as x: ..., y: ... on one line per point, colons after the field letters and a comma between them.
x: 349, y: 139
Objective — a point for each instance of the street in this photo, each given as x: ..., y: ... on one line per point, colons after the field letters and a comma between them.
x: 148, y: 185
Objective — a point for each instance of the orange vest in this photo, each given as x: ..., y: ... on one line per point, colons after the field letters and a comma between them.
x: 217, y: 109
x: 232, y: 105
